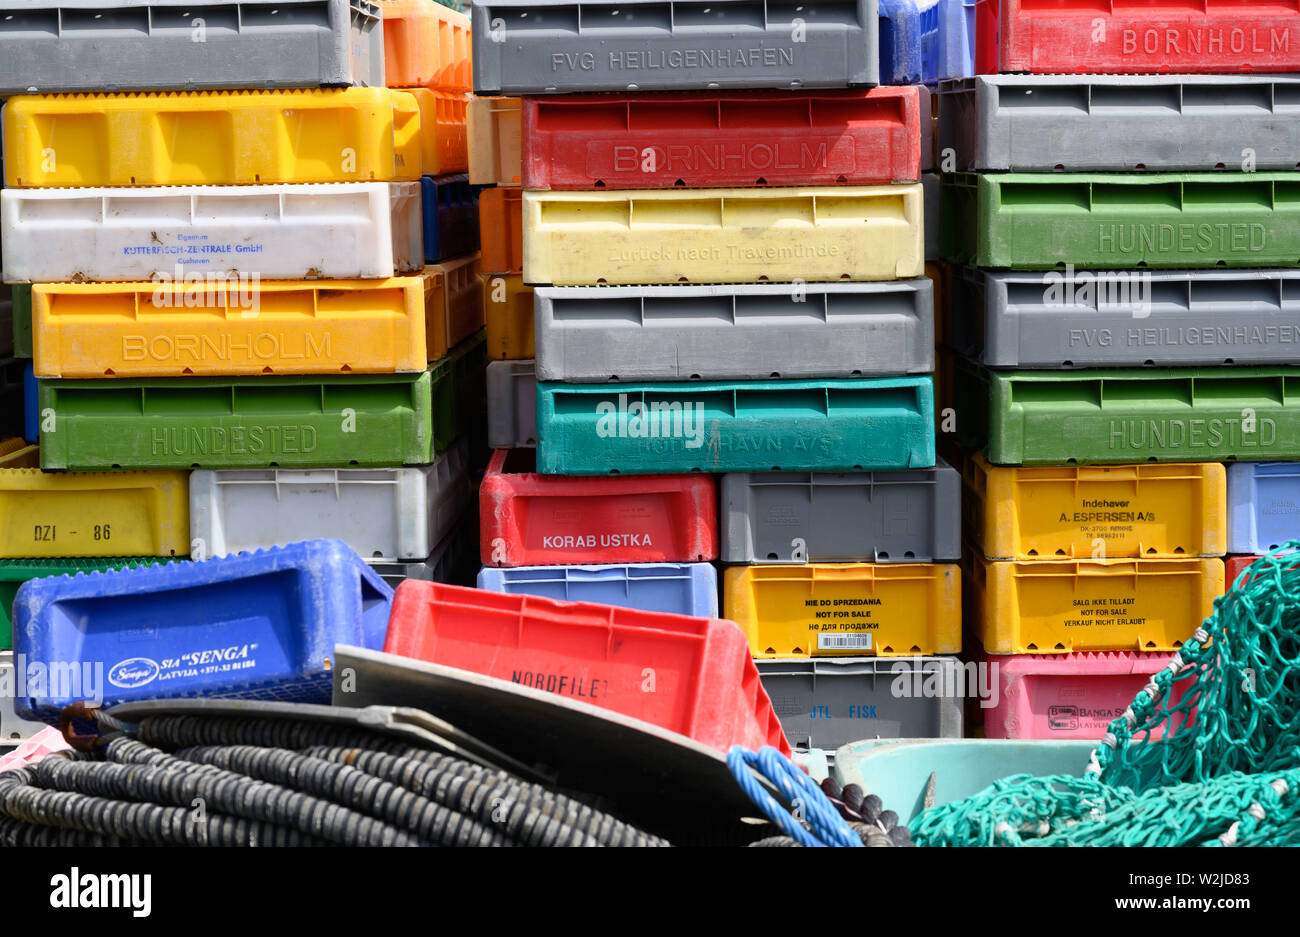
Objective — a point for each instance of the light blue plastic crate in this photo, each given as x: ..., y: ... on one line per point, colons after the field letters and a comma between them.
x: 1263, y: 505
x: 926, y: 41
x: 260, y: 625
x: 677, y: 588
x: 899, y: 771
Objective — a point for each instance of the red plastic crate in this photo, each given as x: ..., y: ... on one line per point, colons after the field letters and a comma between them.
x: 1128, y: 37
x: 693, y: 676
x: 707, y: 139
x: 1233, y: 565
x: 553, y: 520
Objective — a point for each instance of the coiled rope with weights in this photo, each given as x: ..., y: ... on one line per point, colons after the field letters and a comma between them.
x: 227, y: 781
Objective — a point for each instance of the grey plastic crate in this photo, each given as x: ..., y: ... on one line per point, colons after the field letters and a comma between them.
x: 1180, y: 317
x: 530, y: 47
x: 906, y: 516
x: 1119, y: 122
x: 593, y: 334
x: 13, y: 729
x: 512, y: 404
x: 930, y: 216
x: 454, y: 560
x: 155, y: 45
x: 828, y: 702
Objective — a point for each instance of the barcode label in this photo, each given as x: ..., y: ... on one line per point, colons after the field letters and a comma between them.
x: 843, y: 642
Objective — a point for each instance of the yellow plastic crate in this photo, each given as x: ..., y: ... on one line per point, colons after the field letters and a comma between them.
x: 456, y: 311
x: 443, y: 146
x: 495, y: 141
x: 426, y: 45
x: 508, y: 309
x: 88, y: 330
x: 1147, y: 510
x: 18, y: 453
x: 93, y: 514
x: 846, y: 609
x: 212, y: 138
x: 723, y: 235
x: 1059, y: 606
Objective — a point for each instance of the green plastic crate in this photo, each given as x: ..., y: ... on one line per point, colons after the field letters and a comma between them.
x: 22, y: 310
x: 457, y: 383
x: 180, y: 423
x: 736, y: 426
x: 1131, y: 415
x: 13, y: 573
x: 1111, y: 221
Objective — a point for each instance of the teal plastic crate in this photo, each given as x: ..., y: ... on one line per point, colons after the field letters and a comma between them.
x: 898, y: 772
x: 745, y: 426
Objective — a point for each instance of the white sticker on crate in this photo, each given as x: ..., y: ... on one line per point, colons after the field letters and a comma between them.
x: 833, y: 641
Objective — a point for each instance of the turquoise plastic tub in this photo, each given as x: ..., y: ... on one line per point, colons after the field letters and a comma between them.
x: 897, y: 772
x: 735, y: 426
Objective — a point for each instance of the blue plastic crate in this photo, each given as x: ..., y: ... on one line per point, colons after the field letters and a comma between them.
x: 926, y: 41
x: 450, y: 208
x: 259, y: 625
x: 31, y: 425
x: 1263, y: 505
x: 678, y: 588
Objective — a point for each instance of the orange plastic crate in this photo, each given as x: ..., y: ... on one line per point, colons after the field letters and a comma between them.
x: 501, y: 229
x: 426, y: 45
x: 443, y: 146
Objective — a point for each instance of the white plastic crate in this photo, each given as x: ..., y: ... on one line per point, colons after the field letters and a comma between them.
x: 13, y: 730
x: 328, y: 230
x: 386, y: 515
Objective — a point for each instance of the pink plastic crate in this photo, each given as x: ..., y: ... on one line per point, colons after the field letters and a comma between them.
x: 45, y: 742
x: 1066, y: 696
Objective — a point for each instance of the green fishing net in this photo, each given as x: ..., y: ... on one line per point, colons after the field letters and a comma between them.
x: 1226, y: 771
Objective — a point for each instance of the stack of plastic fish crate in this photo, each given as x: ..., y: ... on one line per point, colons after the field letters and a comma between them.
x: 722, y: 223
x: 427, y: 54
x: 212, y: 226
x: 1127, y: 222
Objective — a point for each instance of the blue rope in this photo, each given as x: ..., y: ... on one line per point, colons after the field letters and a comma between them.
x: 828, y: 827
